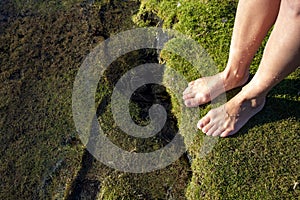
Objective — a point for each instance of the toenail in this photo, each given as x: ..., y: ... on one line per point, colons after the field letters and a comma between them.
x: 199, y: 125
x: 223, y: 135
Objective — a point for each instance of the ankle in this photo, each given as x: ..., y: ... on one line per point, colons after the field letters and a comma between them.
x: 235, y: 77
x: 238, y: 64
x: 258, y: 87
x: 254, y: 95
x: 236, y: 74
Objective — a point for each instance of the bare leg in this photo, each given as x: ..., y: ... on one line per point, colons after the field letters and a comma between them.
x: 281, y: 57
x: 253, y: 20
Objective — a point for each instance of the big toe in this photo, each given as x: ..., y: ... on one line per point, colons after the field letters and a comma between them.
x: 191, y: 102
x: 203, y: 122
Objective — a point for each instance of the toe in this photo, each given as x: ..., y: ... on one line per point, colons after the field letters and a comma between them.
x: 188, y: 96
x: 193, y: 102
x: 212, y: 130
x: 200, y: 124
x: 203, y: 122
x: 206, y: 129
x: 217, y: 132
x: 226, y: 133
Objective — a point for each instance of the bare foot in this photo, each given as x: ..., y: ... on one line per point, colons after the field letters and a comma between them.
x: 229, y: 118
x: 203, y: 90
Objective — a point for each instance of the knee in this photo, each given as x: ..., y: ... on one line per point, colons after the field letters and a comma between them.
x: 293, y: 7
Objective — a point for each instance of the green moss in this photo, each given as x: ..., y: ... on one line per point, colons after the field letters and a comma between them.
x: 42, y: 156
x: 262, y: 160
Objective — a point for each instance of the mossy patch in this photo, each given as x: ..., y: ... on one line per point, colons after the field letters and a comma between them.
x: 42, y: 47
x: 262, y: 160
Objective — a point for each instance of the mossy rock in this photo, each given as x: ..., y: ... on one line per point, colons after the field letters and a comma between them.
x: 262, y: 160
x: 42, y: 47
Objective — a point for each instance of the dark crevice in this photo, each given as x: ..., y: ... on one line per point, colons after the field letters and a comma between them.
x: 79, y: 183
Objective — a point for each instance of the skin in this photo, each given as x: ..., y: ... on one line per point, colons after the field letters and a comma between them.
x: 281, y: 57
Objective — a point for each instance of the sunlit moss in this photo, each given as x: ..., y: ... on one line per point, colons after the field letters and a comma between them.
x: 261, y: 161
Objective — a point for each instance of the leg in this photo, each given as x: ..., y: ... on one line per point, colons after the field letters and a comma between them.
x: 253, y: 20
x: 281, y: 57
